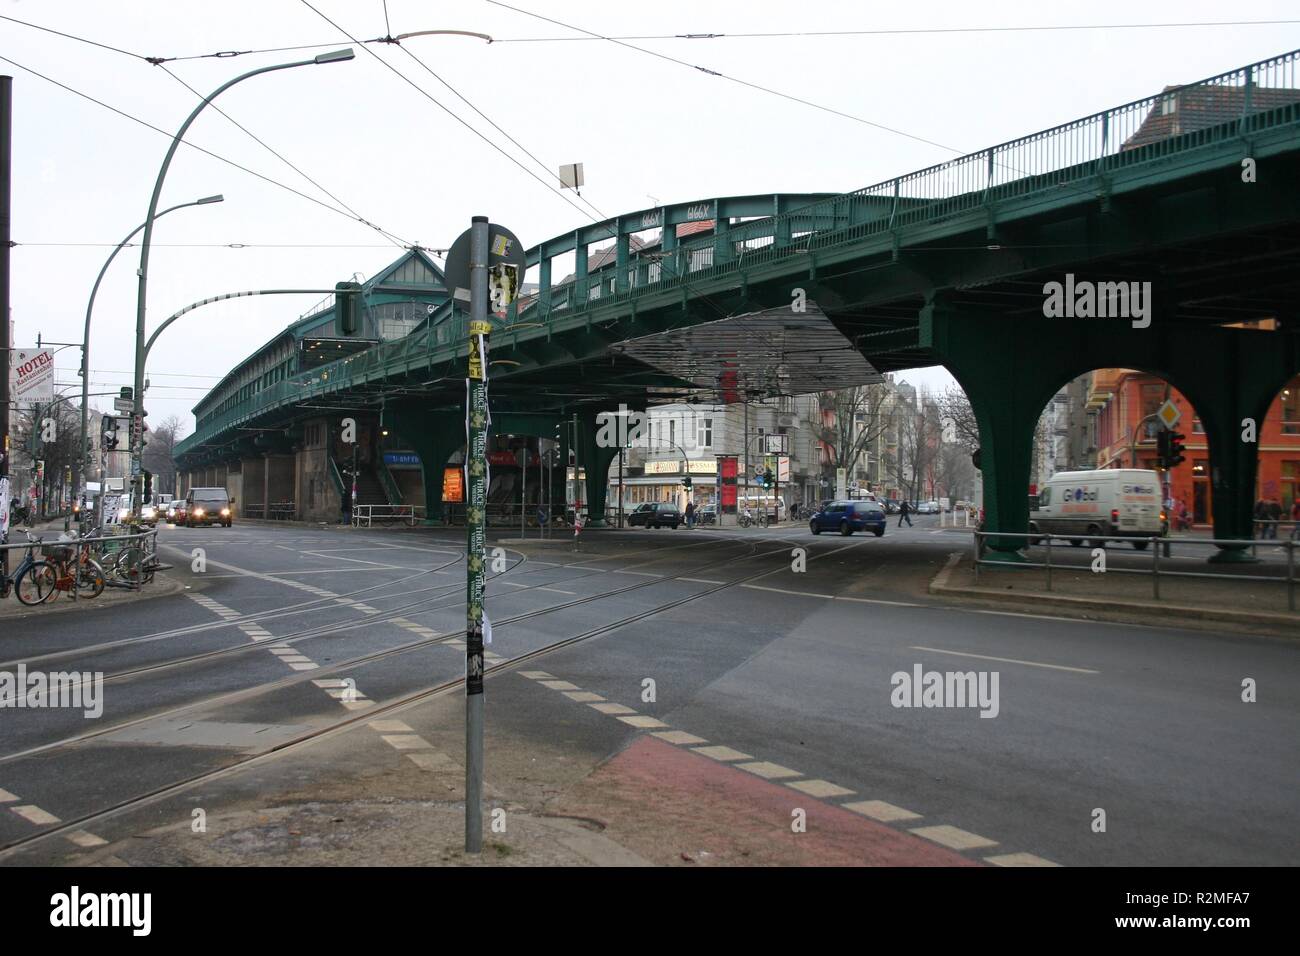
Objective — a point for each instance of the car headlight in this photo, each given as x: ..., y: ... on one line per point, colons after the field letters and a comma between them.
x: 123, y: 513
x: 225, y: 512
x: 148, y: 512
x: 198, y: 512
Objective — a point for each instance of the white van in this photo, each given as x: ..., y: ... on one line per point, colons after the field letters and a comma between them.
x: 1109, y: 501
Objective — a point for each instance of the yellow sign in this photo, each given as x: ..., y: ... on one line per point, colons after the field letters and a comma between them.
x: 479, y: 327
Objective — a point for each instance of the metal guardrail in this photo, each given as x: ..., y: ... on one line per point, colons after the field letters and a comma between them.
x: 1156, y: 543
x: 276, y: 511
x: 364, y: 516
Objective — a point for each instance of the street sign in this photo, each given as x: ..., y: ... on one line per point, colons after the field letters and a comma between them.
x: 1169, y: 414
x: 776, y: 444
x: 758, y: 471
x: 31, y: 375
x: 123, y: 404
x: 503, y: 249
x: 841, y: 478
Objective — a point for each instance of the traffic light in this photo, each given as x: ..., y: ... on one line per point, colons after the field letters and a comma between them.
x: 1174, y: 456
x: 108, y: 429
x: 769, y: 480
x: 686, y: 483
x: 347, y: 308
x: 1162, y: 448
x: 148, y: 485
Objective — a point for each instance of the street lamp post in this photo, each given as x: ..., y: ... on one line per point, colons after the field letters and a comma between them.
x: 334, y: 56
x: 85, y: 340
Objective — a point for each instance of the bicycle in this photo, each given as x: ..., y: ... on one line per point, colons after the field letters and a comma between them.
x: 75, y: 570
x: 33, y: 579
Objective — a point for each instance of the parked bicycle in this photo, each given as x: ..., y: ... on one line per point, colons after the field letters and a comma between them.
x: 33, y: 579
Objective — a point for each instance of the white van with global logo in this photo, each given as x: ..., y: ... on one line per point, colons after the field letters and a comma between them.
x: 1107, y: 502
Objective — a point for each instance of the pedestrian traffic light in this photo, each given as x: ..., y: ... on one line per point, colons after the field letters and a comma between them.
x: 1162, y: 448
x: 108, y: 429
x: 148, y: 485
x: 1175, y: 456
x: 347, y: 308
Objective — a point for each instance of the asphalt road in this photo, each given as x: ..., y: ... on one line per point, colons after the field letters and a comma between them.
x: 789, y: 661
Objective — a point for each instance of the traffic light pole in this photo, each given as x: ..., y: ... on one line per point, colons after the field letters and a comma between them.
x: 6, y: 148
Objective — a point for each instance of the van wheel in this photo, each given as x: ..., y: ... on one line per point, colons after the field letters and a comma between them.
x: 1076, y: 542
x: 1095, y: 542
x: 1141, y: 545
x: 1037, y: 540
x: 845, y: 529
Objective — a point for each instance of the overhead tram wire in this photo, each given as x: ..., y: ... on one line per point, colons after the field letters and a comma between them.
x: 394, y: 239
x: 493, y: 124
x: 746, y: 83
x: 427, y: 95
x: 919, y: 31
x: 162, y: 132
x: 436, y: 253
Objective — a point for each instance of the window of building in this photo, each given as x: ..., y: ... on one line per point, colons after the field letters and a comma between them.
x: 704, y: 435
x: 1291, y: 408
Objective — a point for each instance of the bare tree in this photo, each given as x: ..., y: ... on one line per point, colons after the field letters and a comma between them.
x: 160, y: 445
x: 956, y: 411
x: 852, y: 420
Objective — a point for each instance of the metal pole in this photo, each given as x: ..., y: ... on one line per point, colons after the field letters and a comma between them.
x: 1049, y: 562
x: 1155, y: 567
x: 620, y: 485
x: 143, y: 271
x: 745, y: 494
x: 476, y: 453
x: 523, y: 491
x: 1290, y: 573
x: 6, y: 168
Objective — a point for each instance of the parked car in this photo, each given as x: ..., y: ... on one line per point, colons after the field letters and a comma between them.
x: 207, y: 506
x: 708, y: 514
x: 891, y: 506
x: 847, y: 517
x: 655, y: 514
x: 927, y: 508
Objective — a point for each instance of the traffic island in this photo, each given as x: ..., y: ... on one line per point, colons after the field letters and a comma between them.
x: 1243, y: 603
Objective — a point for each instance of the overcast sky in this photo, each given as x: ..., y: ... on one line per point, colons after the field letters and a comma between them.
x: 648, y: 131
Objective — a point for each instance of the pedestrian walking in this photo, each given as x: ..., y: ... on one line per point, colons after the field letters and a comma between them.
x: 690, y: 514
x: 1295, y: 518
x: 1260, y: 513
x: 345, y: 507
x: 905, y: 514
x: 1274, y: 517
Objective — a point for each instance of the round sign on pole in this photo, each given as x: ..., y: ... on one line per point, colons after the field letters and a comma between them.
x: 503, y: 249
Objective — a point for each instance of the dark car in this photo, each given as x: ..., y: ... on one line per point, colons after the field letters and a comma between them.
x: 847, y: 517
x: 655, y: 514
x: 206, y: 506
x: 707, y: 515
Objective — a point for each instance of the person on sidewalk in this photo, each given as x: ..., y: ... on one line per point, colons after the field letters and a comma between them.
x: 1274, y: 516
x: 345, y: 507
x: 1295, y: 518
x: 905, y: 514
x: 690, y: 514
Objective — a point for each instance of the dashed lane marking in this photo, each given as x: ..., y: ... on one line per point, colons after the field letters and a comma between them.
x: 639, y: 720
x: 34, y: 814
x: 582, y: 696
x: 953, y: 838
x: 768, y: 771
x: 406, y: 742
x: 7, y: 797
x: 1007, y: 660
x: 723, y: 754
x: 559, y: 685
x: 679, y: 737
x: 390, y: 727
x: 84, y: 839
x: 1018, y: 859
x: 614, y: 709
x: 880, y: 810
x: 819, y: 788
x: 536, y: 675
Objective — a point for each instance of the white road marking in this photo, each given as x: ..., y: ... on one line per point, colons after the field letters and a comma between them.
x: 953, y: 838
x: 638, y: 720
x: 880, y: 810
x: 407, y: 742
x: 722, y: 753
x: 431, y: 760
x: 679, y: 737
x: 1007, y: 660
x: 760, y: 587
x: 330, y: 682
x: 1018, y: 859
x: 7, y: 797
x: 612, y: 708
x: 560, y: 685
x: 701, y: 580
x: 34, y: 814
x: 581, y: 696
x: 556, y: 590
x: 82, y: 838
x: 536, y: 675
x: 390, y: 727
x: 307, y: 666
x: 820, y: 788
x: 768, y: 771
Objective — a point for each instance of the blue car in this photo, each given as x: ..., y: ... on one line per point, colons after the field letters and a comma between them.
x: 847, y: 517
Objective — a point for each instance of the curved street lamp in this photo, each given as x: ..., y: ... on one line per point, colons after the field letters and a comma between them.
x: 334, y: 56
x: 85, y: 340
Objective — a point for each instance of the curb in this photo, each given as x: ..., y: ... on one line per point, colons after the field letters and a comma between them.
x: 1158, y: 613
x: 162, y: 586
